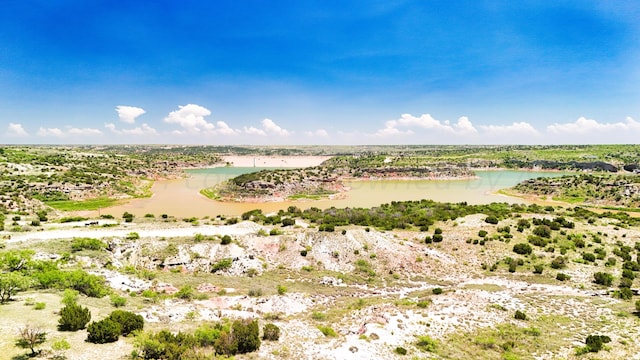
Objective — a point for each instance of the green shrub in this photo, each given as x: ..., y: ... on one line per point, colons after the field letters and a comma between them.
x: 538, y: 268
x: 79, y: 244
x: 522, y: 249
x: 327, y: 331
x: 491, y: 220
x: 437, y: 238
x: 39, y: 306
x: 247, y: 335
x: 426, y: 343
x: 400, y: 350
x: 520, y: 315
x: 436, y: 291
x: 603, y: 278
x: 482, y: 233
x: 595, y: 342
x: 226, y: 240
x: 223, y: 264
x: 270, y: 332
x: 559, y: 262
x: 281, y: 289
x: 118, y: 301
x: 186, y: 293
x: 129, y: 322
x: 73, y: 317
x: 562, y: 277
x: 103, y: 331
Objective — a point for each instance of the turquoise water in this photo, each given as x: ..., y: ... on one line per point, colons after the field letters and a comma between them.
x: 182, y: 198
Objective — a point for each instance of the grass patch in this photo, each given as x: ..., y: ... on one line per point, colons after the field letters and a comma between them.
x: 210, y: 193
x: 91, y: 204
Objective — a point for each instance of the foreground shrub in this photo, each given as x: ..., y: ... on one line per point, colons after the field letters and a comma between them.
x: 271, y: 332
x: 73, y: 317
x: 129, y: 322
x: 103, y: 331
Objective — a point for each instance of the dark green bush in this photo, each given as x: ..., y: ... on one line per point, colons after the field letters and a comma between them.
x: 603, y: 278
x: 271, y: 332
x: 129, y: 322
x: 87, y: 244
x: 522, y: 249
x: 520, y: 315
x: 226, y: 240
x: 73, y: 317
x: 595, y: 342
x: 559, y: 262
x: 436, y: 291
x: 103, y: 331
x: 562, y: 277
x: 491, y: 220
x: 437, y: 238
x: 400, y: 350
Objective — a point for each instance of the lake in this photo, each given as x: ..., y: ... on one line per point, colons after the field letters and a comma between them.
x: 181, y: 197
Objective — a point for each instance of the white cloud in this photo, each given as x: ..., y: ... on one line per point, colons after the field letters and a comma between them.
x: 224, y: 129
x: 269, y: 127
x: 254, y: 131
x: 83, y: 131
x: 144, y: 129
x: 57, y: 132
x: 425, y: 121
x: 516, y: 128
x: 272, y: 128
x: 128, y: 114
x: 317, y: 133
x: 191, y: 119
x: 16, y: 130
x: 586, y: 126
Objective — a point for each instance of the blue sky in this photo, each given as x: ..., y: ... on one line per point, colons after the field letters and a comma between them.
x: 320, y: 72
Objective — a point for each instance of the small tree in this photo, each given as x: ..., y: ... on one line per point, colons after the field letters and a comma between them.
x: 103, y: 331
x: 247, y: 335
x: 11, y: 283
x: 73, y: 317
x: 30, y: 338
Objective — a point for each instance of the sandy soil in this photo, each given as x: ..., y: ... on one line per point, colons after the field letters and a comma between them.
x: 275, y: 161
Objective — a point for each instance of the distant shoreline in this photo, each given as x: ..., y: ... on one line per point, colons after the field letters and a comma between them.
x: 292, y: 161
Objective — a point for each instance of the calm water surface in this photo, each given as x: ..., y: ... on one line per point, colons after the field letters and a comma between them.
x: 181, y: 197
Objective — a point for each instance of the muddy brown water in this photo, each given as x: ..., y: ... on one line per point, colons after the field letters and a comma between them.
x: 181, y: 197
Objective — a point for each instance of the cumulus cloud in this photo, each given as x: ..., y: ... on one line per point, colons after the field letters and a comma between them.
x: 516, y: 128
x: 272, y: 128
x: 128, y: 114
x: 269, y: 127
x: 191, y: 118
x: 586, y: 126
x: 73, y: 131
x: 144, y: 130
x: 409, y: 122
x: 317, y: 133
x: 16, y: 130
x: 55, y: 132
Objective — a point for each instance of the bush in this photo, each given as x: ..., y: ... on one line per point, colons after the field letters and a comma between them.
x: 129, y: 322
x: 400, y: 350
x: 603, y: 278
x: 226, y: 240
x: 118, y: 301
x: 327, y: 331
x: 271, y: 332
x: 520, y: 315
x: 281, y: 289
x: 559, y: 262
x: 542, y: 231
x: 562, y: 277
x: 538, y: 268
x: 288, y: 222
x: 87, y: 244
x: 522, y: 249
x: 223, y: 264
x: 73, y: 317
x: 186, y: 293
x: 491, y: 220
x: 482, y: 233
x: 595, y: 342
x: 247, y: 335
x: 437, y: 238
x: 436, y: 291
x: 103, y: 331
